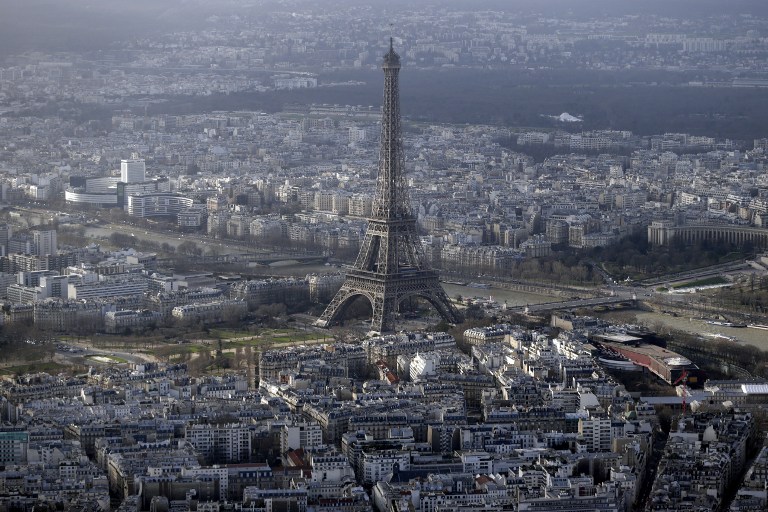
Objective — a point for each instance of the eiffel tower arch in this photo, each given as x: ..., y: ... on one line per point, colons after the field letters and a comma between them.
x: 390, y: 267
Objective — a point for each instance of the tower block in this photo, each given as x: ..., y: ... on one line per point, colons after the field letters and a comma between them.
x: 391, y: 266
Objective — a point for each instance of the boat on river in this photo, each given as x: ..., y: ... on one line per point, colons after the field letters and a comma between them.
x: 718, y: 336
x: 725, y: 323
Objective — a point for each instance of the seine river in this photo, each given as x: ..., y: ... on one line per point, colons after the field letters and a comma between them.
x: 292, y: 268
x: 500, y: 295
x: 748, y: 335
x: 513, y: 298
x: 173, y: 239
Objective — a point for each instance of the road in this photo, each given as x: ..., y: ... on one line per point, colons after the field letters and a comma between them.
x: 714, y: 270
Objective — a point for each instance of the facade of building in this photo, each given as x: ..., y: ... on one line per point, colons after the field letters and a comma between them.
x: 118, y: 286
x: 225, y: 443
x: 132, y: 170
x: 214, y: 311
x: 13, y: 446
x: 307, y: 435
x: 157, y: 204
x: 45, y: 242
x: 120, y: 321
x: 67, y: 316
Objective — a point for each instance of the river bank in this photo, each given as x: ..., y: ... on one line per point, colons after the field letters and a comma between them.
x: 653, y: 320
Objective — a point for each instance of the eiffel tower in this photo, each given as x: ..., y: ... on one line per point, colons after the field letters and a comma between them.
x: 390, y: 267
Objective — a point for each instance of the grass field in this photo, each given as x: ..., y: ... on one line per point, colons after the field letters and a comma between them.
x: 227, y: 340
x: 48, y: 367
x: 226, y: 334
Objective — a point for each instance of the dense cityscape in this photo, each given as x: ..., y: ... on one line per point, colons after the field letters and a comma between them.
x: 234, y: 278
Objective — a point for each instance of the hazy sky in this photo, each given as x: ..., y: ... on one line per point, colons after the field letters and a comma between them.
x: 89, y: 24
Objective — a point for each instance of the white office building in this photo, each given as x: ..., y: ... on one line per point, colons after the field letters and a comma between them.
x: 45, y: 242
x: 132, y: 170
x: 300, y: 435
x: 122, y: 286
x: 424, y: 365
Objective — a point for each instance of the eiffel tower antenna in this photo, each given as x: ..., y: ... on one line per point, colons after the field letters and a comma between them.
x: 390, y: 267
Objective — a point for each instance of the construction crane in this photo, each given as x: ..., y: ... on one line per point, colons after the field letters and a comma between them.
x: 684, y: 379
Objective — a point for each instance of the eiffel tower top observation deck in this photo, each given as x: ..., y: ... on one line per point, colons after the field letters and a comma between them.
x: 390, y: 267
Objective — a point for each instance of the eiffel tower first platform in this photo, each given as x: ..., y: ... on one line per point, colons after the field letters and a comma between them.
x: 390, y: 267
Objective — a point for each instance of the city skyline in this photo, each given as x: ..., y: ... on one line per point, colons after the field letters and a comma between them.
x: 193, y: 196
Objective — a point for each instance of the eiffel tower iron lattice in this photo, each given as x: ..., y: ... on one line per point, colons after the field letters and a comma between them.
x: 391, y: 266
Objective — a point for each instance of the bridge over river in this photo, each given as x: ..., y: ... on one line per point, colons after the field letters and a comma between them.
x: 547, y: 307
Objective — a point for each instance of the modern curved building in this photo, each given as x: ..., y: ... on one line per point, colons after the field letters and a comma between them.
x: 79, y: 196
x: 156, y: 204
x: 98, y: 192
x: 111, y: 192
x: 665, y: 364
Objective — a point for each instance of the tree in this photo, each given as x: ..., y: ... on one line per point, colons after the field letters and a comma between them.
x: 188, y: 248
x: 249, y: 366
x: 474, y: 312
x: 214, y: 252
x: 121, y: 239
x: 269, y: 312
x: 199, y: 364
x: 665, y: 415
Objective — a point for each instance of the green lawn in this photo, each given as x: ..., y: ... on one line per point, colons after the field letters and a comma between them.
x: 48, y: 367
x: 227, y: 339
x: 177, y: 350
x: 226, y: 334
x: 297, y: 337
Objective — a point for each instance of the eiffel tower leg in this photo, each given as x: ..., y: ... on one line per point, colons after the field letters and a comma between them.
x: 338, y: 305
x: 378, y: 320
x: 443, y: 305
x: 439, y: 300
